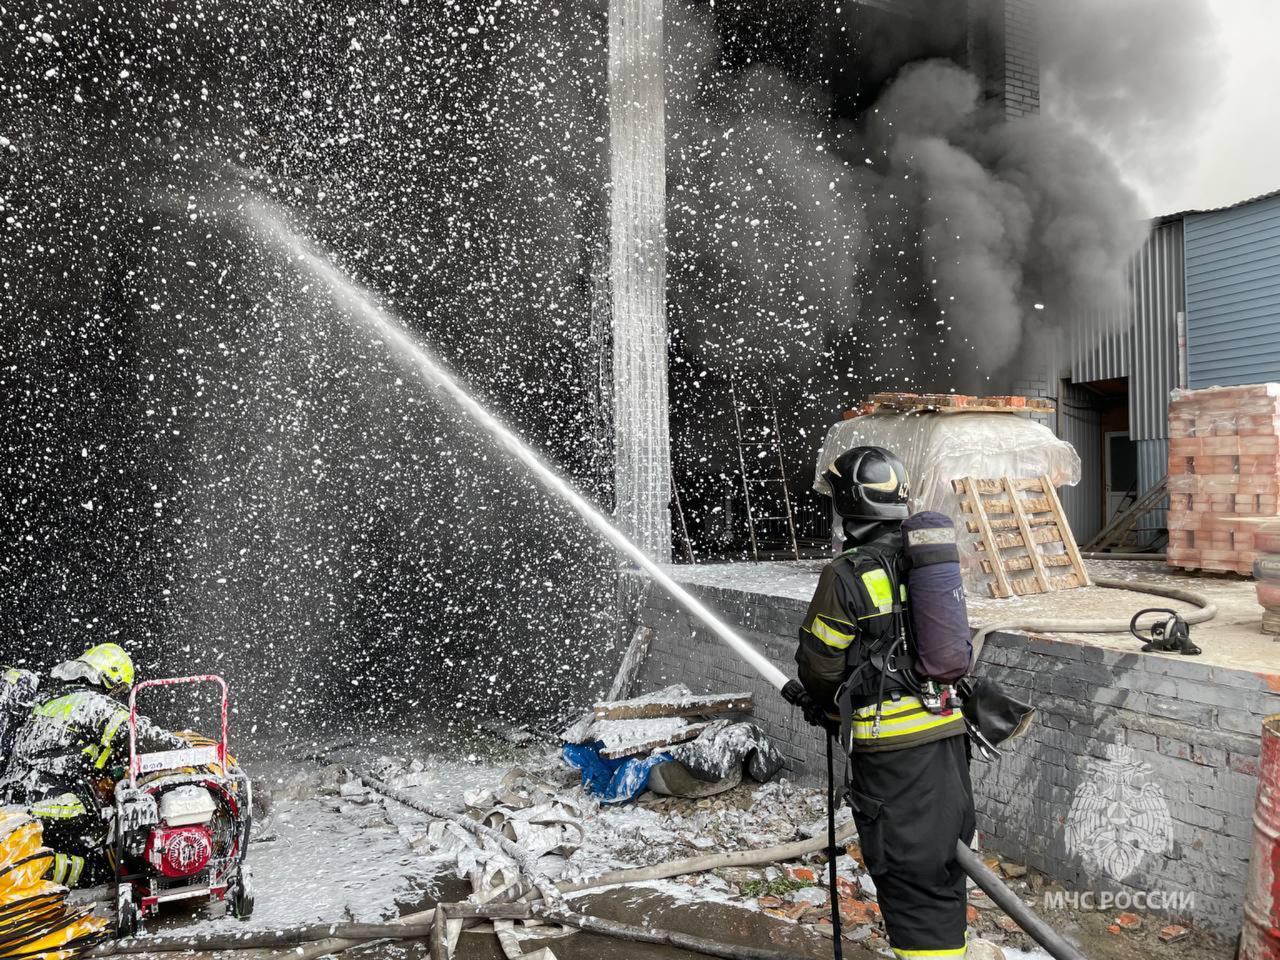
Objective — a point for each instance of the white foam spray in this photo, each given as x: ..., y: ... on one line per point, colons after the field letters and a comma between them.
x: 363, y: 308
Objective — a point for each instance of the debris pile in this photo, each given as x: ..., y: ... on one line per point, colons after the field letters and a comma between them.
x: 671, y: 742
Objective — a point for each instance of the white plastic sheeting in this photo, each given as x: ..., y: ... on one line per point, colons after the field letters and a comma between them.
x: 938, y: 448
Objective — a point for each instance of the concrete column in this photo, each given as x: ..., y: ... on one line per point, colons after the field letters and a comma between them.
x: 638, y: 274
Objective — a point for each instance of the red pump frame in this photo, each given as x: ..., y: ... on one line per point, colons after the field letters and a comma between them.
x: 135, y: 760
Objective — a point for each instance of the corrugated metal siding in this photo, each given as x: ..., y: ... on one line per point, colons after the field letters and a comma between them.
x: 1080, y: 424
x: 1158, y: 297
x: 1233, y: 295
x: 1146, y: 329
x: 1102, y: 348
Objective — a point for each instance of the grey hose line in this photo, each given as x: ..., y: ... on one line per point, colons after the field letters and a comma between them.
x: 1053, y: 942
x: 524, y: 861
x: 1207, y: 611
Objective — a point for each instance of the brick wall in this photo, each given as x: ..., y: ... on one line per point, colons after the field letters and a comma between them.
x: 1003, y: 51
x: 1037, y: 384
x: 1195, y: 726
x: 1197, y: 729
x: 1021, y: 67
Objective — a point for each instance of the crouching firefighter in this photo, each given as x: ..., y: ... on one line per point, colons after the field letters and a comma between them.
x: 70, y: 751
x: 878, y: 673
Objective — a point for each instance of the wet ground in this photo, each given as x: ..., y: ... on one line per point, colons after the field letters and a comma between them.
x: 320, y: 857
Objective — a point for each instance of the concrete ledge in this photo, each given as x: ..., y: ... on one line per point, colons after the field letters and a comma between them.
x: 1161, y: 749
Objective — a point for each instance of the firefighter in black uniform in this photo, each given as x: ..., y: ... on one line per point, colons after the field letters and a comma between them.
x: 909, y: 767
x: 68, y: 754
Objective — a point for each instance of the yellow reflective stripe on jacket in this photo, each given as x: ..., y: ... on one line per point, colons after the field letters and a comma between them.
x: 879, y: 589
x: 66, y: 869
x: 829, y: 635
x: 889, y: 709
x: 58, y: 708
x: 65, y: 806
x: 908, y: 717
x: 108, y: 735
x: 916, y: 954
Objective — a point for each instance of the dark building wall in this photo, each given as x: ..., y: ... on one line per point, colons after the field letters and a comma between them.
x: 1021, y: 73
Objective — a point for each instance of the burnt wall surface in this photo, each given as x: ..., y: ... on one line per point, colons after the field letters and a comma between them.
x: 1160, y: 750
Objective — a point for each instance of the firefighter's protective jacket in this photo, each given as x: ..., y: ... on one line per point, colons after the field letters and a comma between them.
x: 77, y: 729
x: 853, y: 645
x: 17, y: 695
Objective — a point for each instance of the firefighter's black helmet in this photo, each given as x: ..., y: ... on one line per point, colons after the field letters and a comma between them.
x: 869, y: 483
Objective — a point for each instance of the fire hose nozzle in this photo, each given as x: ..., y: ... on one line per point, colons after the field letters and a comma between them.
x: 794, y: 693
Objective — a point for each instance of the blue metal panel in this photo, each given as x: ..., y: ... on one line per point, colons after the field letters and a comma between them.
x: 1158, y: 298
x: 1233, y: 294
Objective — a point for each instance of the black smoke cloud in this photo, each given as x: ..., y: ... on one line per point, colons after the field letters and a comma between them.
x: 1008, y: 217
x: 922, y: 246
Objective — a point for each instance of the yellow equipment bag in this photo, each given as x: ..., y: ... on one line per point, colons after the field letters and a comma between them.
x: 35, y: 920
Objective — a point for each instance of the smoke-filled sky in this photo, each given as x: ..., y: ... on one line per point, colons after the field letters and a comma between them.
x: 1182, y: 90
x: 1240, y: 141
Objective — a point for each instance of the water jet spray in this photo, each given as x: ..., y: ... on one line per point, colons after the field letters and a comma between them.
x: 435, y: 372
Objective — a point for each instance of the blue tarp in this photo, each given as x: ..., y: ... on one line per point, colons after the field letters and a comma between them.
x: 613, y: 781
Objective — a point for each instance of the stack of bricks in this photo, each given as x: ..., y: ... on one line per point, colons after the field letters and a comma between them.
x: 1224, y: 474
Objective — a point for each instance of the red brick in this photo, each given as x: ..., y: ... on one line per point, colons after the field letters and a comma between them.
x: 1221, y: 446
x: 858, y: 911
x: 1242, y: 763
x: 1259, y: 446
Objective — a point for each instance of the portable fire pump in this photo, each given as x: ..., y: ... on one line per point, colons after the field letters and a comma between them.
x: 181, y: 826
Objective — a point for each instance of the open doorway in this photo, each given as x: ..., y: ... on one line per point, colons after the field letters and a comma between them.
x: 1094, y: 418
x: 1120, y: 472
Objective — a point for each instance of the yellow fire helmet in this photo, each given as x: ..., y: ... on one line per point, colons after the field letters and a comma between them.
x: 107, y: 665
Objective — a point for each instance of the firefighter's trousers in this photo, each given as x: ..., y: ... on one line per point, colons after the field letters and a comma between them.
x: 911, y: 806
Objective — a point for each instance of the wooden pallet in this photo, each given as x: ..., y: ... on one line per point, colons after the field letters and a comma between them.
x: 1015, y: 520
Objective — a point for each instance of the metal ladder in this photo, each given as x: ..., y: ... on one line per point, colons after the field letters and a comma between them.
x: 1117, y: 532
x: 773, y: 444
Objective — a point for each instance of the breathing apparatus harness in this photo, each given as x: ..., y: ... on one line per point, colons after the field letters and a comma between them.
x: 887, y: 652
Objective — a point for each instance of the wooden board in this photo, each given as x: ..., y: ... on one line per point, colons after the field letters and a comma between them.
x: 1024, y: 563
x: 1028, y: 537
x: 631, y: 663
x: 1014, y: 520
x: 1068, y: 540
x: 691, y: 732
x: 709, y: 706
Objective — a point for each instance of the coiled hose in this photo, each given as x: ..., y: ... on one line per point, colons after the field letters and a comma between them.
x: 1207, y: 611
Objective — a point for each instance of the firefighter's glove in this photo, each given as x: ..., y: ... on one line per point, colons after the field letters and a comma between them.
x: 794, y: 693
